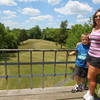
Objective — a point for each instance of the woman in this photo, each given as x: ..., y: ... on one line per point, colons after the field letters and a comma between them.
x: 93, y: 57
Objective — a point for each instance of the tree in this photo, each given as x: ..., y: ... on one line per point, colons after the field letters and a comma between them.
x: 16, y: 33
x: 50, y: 34
x: 23, y: 35
x: 35, y: 32
x: 11, y: 41
x: 3, y: 34
x: 74, y: 34
x: 62, y: 35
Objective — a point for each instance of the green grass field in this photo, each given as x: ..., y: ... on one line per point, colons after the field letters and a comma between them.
x: 15, y: 83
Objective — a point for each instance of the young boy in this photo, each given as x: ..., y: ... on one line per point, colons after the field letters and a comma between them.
x: 81, y: 65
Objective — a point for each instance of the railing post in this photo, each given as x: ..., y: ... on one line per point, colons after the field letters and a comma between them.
x: 55, y: 63
x: 43, y: 74
x: 19, y: 70
x: 66, y: 64
x: 31, y: 80
x: 5, y: 60
x: 6, y: 74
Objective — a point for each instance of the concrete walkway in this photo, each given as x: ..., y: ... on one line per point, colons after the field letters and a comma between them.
x: 52, y: 93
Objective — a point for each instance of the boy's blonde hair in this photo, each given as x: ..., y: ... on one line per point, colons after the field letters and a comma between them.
x: 85, y: 35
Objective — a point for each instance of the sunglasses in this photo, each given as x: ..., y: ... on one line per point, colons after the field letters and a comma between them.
x: 98, y: 16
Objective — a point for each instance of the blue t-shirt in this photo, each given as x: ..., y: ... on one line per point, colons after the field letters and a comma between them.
x: 82, y: 51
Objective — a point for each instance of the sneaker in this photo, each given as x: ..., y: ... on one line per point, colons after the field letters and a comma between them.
x: 75, y: 88
x: 88, y: 96
x: 80, y: 89
x: 84, y: 86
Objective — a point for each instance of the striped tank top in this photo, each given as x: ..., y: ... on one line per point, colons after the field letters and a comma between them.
x: 94, y: 49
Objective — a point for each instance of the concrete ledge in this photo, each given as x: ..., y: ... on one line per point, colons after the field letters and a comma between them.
x: 35, y: 91
x: 52, y: 93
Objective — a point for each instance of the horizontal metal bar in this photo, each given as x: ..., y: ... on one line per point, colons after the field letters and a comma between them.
x: 35, y: 75
x: 37, y: 50
x: 28, y: 63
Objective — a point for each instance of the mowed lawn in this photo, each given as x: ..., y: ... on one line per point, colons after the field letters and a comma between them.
x: 35, y: 82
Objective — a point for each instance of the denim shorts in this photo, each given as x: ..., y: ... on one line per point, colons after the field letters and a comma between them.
x: 95, y: 62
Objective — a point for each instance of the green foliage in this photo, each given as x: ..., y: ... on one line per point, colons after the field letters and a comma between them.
x: 50, y: 34
x: 62, y: 35
x: 57, y: 35
x: 3, y: 37
x: 87, y: 28
x: 35, y: 32
x: 2, y: 29
x: 23, y: 35
x: 11, y: 41
x: 12, y: 38
x: 74, y: 34
x: 7, y: 39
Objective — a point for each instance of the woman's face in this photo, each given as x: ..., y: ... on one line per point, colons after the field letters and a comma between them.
x: 97, y: 18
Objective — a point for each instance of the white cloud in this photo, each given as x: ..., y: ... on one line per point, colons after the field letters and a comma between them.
x: 30, y: 11
x: 70, y: 25
x: 96, y: 1
x: 60, y: 16
x: 74, y: 7
x: 33, y: 1
x: 27, y: 0
x: 8, y: 2
x: 54, y: 2
x: 9, y: 14
x: 41, y: 18
x: 81, y: 19
x: 10, y: 23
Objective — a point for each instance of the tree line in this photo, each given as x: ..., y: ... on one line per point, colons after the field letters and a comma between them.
x: 12, y: 38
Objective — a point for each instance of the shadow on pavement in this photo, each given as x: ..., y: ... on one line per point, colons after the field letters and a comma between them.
x: 97, y: 98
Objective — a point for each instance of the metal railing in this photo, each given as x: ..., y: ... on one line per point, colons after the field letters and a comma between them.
x: 6, y: 61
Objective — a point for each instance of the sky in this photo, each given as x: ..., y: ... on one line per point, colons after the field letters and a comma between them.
x: 25, y: 14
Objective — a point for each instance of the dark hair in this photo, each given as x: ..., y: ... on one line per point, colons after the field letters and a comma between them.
x: 94, y: 23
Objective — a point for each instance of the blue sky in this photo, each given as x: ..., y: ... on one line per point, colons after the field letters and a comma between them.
x: 25, y: 14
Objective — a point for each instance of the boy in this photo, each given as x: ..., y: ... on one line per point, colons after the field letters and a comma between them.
x: 81, y: 65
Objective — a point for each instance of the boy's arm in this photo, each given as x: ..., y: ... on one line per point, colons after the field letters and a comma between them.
x: 75, y: 52
x: 72, y: 53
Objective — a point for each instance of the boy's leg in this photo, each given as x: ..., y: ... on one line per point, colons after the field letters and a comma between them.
x: 84, y: 84
x: 77, y: 79
x: 83, y: 80
x: 77, y: 73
